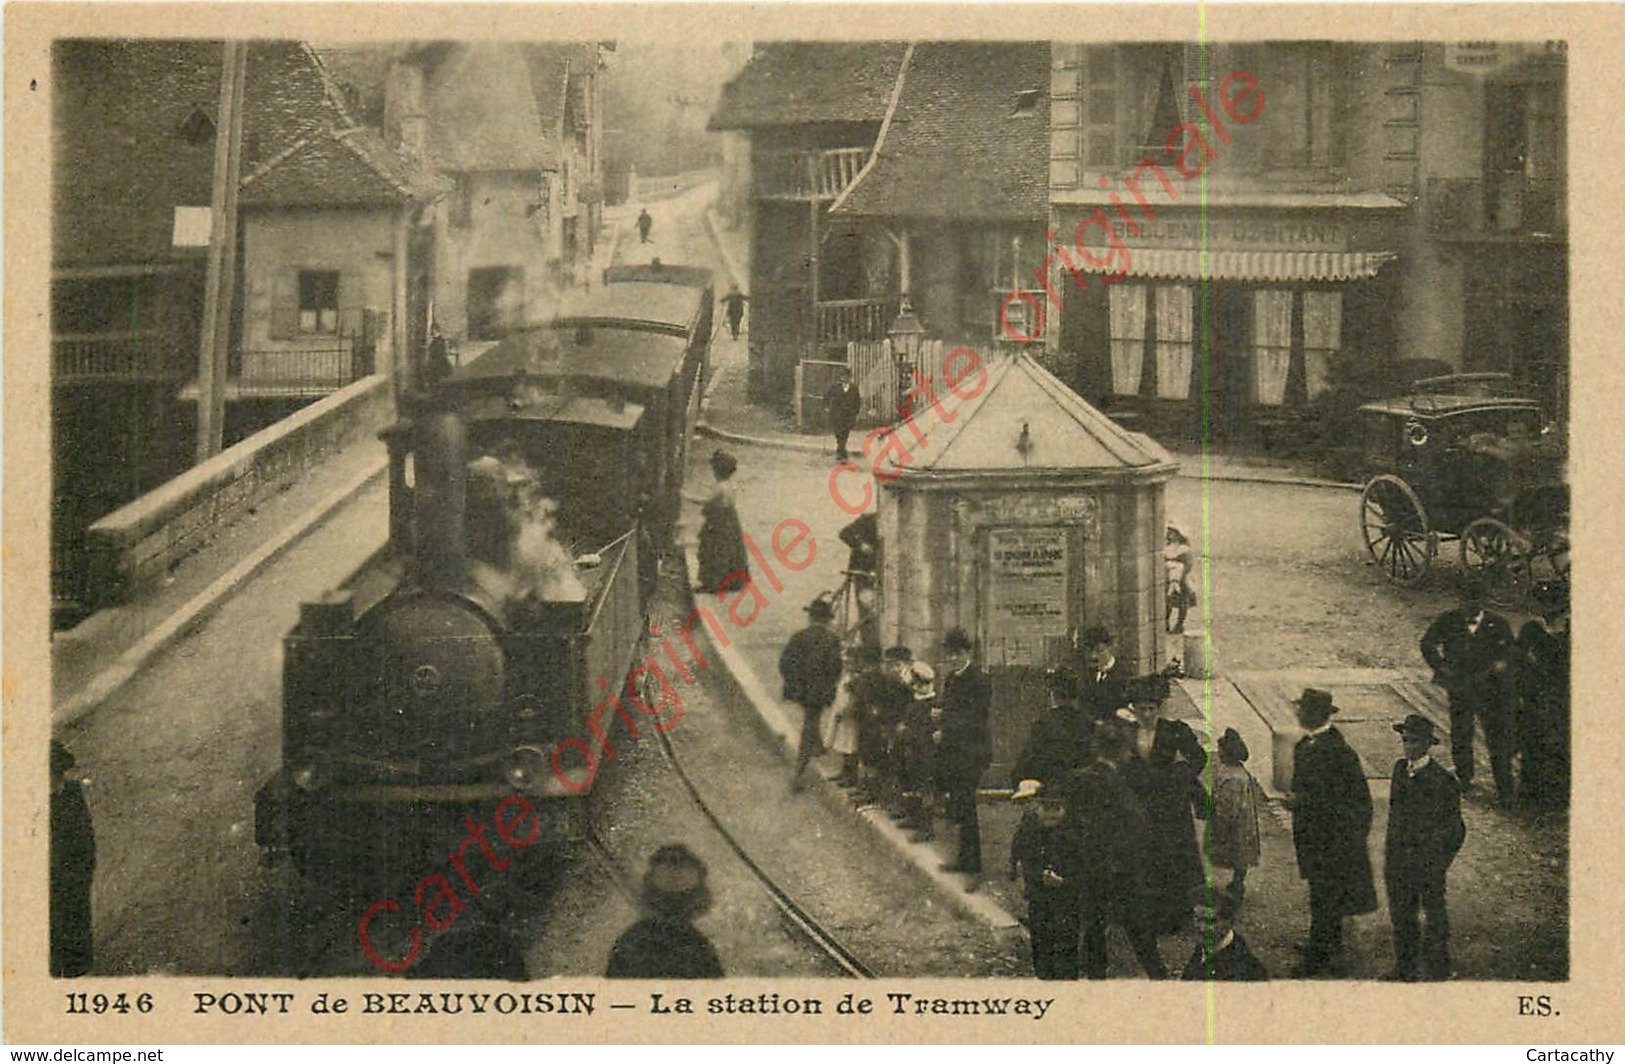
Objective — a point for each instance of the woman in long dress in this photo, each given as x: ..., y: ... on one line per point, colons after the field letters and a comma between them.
x: 1165, y: 774
x: 724, y: 564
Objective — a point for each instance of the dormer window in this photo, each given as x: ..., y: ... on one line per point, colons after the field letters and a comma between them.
x: 198, y: 129
x: 1026, y: 103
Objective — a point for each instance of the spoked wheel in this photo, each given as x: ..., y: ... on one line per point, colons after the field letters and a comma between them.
x: 1495, y: 554
x: 1396, y: 531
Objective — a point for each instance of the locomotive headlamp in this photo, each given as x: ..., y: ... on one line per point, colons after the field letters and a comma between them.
x: 525, y: 768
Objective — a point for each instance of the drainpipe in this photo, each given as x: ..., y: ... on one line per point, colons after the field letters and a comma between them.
x: 400, y: 364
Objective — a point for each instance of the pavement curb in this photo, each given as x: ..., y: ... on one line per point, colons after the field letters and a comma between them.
x: 194, y: 610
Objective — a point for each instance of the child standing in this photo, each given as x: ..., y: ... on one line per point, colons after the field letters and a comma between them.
x: 1045, y: 852
x: 1232, y: 830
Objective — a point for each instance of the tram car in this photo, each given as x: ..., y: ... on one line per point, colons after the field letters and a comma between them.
x: 530, y: 495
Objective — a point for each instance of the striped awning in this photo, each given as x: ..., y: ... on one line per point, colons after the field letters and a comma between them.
x: 1226, y: 265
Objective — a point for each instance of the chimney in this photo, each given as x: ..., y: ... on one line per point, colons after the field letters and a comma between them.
x: 406, y: 111
x: 440, y: 555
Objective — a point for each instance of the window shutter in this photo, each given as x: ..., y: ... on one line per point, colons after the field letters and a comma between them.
x: 284, y: 305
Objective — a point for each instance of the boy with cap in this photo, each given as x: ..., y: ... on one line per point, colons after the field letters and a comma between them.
x: 1045, y: 852
x: 811, y: 667
x: 665, y: 944
x: 1425, y: 831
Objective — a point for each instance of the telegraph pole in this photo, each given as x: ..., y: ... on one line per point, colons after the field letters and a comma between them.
x: 221, y: 280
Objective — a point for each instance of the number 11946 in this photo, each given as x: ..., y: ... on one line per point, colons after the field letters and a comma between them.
x: 100, y: 1004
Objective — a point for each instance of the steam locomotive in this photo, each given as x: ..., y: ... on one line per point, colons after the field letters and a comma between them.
x: 531, y: 496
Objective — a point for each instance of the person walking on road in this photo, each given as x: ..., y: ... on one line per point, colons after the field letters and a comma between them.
x: 843, y: 402
x: 1425, y: 831
x: 965, y: 750
x: 645, y: 223
x: 811, y: 667
x: 1470, y: 650
x: 724, y: 561
x: 733, y: 306
x: 1331, y: 818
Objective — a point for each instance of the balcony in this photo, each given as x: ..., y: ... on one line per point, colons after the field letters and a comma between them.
x: 97, y: 358
x: 844, y: 321
x: 1508, y: 207
x: 808, y: 176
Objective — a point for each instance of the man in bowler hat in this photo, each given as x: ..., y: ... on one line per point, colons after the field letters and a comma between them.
x: 1103, y: 686
x: 1331, y: 817
x: 811, y: 667
x: 1425, y: 831
x: 966, y: 748
x: 665, y: 944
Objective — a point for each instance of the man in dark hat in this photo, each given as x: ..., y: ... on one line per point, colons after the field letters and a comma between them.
x: 1103, y: 686
x: 1470, y: 650
x: 966, y: 748
x: 1045, y: 853
x: 1331, y: 817
x: 1543, y: 699
x: 1221, y: 954
x: 1425, y: 831
x: 665, y: 944
x: 645, y: 223
x: 843, y: 403
x: 811, y: 667
x: 1058, y: 747
x: 73, y: 866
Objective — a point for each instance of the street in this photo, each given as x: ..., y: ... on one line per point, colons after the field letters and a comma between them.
x: 174, y: 757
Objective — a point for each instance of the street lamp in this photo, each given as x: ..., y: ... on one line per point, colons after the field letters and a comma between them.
x: 905, y: 334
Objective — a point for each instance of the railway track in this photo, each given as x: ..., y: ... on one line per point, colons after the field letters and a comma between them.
x: 802, y: 923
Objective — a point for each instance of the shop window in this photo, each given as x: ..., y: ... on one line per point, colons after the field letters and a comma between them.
x: 1272, y: 344
x: 1127, y: 314
x: 1174, y: 328
x: 1523, y: 155
x: 1322, y: 338
x: 318, y: 301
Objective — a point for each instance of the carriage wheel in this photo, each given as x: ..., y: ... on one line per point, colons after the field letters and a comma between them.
x: 1395, y: 527
x: 1494, y: 553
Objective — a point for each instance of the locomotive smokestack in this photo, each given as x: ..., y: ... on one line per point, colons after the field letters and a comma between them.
x: 441, y: 556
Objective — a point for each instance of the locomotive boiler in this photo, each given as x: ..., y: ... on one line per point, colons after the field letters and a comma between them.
x: 531, y: 496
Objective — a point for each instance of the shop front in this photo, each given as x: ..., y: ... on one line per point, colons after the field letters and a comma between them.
x: 1224, y: 324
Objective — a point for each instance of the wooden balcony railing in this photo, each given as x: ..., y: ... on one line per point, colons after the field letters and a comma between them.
x: 809, y: 175
x: 844, y: 321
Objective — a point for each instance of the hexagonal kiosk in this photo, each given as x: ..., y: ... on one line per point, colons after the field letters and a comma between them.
x: 1021, y: 513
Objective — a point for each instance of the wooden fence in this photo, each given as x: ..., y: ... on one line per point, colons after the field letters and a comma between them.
x: 885, y: 382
